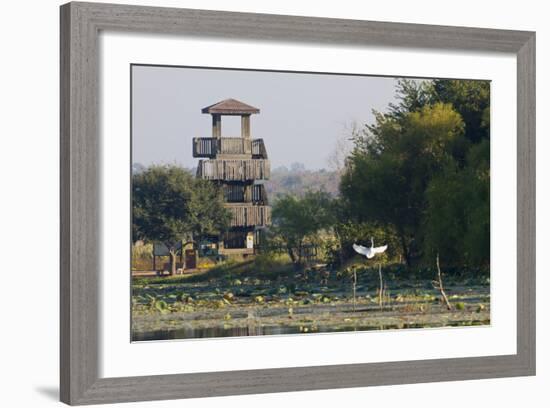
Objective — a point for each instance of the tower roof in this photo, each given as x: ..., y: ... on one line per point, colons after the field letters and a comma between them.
x: 230, y: 107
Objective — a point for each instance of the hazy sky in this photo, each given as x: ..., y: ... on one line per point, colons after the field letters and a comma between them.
x: 301, y: 115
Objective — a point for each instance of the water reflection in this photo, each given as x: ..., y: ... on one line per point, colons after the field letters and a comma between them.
x: 208, y: 332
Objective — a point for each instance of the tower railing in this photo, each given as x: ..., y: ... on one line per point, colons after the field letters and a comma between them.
x: 234, y: 170
x: 212, y: 146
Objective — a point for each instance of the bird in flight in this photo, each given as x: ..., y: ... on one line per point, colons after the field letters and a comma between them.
x: 369, y: 252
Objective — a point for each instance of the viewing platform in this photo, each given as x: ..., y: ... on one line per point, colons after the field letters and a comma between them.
x: 211, y: 147
x: 234, y: 170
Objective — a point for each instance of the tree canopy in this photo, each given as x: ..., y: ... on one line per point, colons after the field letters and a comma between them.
x: 297, y: 219
x: 422, y: 169
x: 170, y: 205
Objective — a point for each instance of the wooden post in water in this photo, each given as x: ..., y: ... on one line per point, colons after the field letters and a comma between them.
x: 381, y: 291
x: 444, y: 298
x: 354, y: 286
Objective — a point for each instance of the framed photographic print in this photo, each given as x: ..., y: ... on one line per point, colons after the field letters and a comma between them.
x: 259, y: 203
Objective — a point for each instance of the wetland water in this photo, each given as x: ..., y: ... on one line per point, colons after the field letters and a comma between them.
x: 207, y: 308
x: 292, y: 316
x: 200, y: 333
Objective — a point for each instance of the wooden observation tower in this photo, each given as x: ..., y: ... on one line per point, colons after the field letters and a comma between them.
x: 239, y: 165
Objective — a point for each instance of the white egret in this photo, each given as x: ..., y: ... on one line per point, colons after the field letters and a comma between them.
x: 369, y: 252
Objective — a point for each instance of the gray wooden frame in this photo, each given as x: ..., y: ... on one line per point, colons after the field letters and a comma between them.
x: 80, y: 189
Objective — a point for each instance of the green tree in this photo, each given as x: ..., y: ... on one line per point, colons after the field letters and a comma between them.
x: 423, y: 168
x: 297, y: 219
x: 169, y: 205
x: 471, y: 99
x: 458, y: 211
x: 392, y: 165
x: 412, y: 95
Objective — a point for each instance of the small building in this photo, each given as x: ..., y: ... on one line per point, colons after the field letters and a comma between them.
x: 239, y: 165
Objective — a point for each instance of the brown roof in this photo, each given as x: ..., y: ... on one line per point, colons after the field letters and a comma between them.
x: 231, y: 107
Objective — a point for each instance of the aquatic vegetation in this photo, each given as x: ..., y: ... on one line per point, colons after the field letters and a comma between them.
x: 212, y: 305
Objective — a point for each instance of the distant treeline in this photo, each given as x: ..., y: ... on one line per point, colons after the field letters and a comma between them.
x: 296, y: 180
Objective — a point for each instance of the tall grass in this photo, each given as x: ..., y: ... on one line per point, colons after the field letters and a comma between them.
x: 261, y: 267
x: 142, y: 257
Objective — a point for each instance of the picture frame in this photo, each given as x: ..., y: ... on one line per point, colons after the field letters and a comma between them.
x: 81, y: 24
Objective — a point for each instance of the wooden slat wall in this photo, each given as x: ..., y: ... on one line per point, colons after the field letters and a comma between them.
x: 235, y: 145
x: 211, y: 146
x: 204, y: 146
x: 259, y: 195
x: 234, y: 170
x: 258, y: 148
x: 249, y: 216
x: 248, y: 193
x: 234, y: 193
x: 245, y: 193
x: 234, y: 239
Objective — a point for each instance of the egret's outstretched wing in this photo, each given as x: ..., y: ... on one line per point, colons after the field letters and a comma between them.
x: 369, y: 252
x: 379, y: 250
x: 360, y: 249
